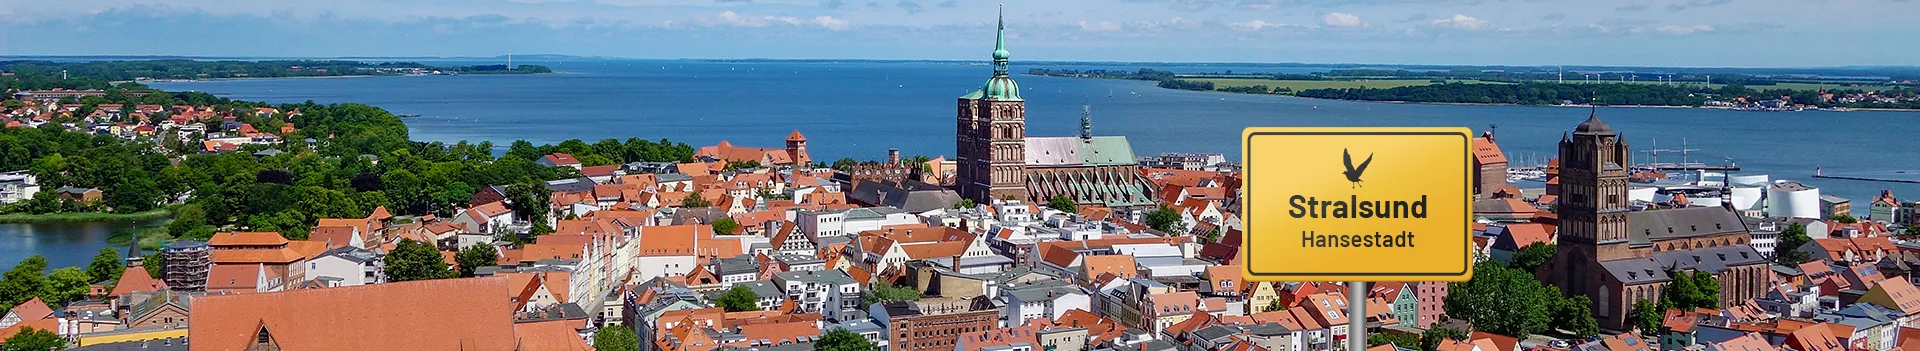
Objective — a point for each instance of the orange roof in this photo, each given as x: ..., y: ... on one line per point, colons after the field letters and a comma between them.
x: 380, y: 213
x: 935, y: 250
x: 672, y: 240
x: 135, y: 279
x: 311, y: 319
x: 536, y: 252
x: 333, y: 237
x: 307, y: 249
x: 554, y: 335
x: 1905, y: 297
x: 46, y: 324
x: 35, y: 309
x: 1118, y: 265
x: 1817, y: 337
x: 247, y: 239
x: 796, y: 136
x: 274, y: 256
x: 779, y: 333
x: 1485, y: 151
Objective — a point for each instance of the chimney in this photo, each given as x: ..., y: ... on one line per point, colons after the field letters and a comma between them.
x: 893, y: 155
x: 955, y: 263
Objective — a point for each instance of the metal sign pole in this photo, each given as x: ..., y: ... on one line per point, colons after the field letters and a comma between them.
x: 1356, y: 316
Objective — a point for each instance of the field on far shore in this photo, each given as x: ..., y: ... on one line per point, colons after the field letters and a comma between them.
x: 1298, y: 85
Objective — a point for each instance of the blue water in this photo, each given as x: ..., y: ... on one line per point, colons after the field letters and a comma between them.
x: 860, y: 109
x: 64, y: 244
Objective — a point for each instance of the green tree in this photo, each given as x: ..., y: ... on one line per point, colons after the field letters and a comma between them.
x: 841, y: 339
x: 153, y: 264
x: 694, y: 200
x: 845, y: 164
x: 890, y: 293
x: 24, y: 282
x: 30, y: 339
x: 1430, y: 340
x: 1575, y: 315
x: 740, y: 298
x: 1706, y: 292
x: 1502, y: 300
x: 616, y: 338
x: 1845, y: 218
x: 1397, y: 339
x: 1063, y: 203
x: 1646, y: 316
x: 1166, y: 219
x: 1533, y: 256
x: 474, y: 257
x: 106, y: 265
x: 1791, y: 239
x: 725, y: 226
x: 968, y: 203
x: 413, y: 260
x: 1912, y: 231
x: 66, y: 284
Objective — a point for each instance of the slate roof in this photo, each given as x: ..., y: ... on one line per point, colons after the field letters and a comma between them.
x: 1643, y: 227
x: 762, y: 289
x: 1712, y: 259
x: 1635, y: 270
x: 909, y: 196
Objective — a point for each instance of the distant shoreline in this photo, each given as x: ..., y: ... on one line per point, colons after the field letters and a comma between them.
x: 319, y: 77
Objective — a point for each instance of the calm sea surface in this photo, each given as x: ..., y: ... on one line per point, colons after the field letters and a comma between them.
x: 858, y: 110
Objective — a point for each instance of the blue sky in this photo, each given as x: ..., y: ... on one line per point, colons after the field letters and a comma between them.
x: 1740, y: 33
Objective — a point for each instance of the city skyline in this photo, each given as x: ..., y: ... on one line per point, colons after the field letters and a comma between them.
x: 1687, y: 33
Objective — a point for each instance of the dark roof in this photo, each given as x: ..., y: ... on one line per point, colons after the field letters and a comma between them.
x: 1643, y: 227
x: 910, y: 196
x: 1635, y: 270
x: 575, y: 185
x: 1712, y: 259
x: 1593, y: 125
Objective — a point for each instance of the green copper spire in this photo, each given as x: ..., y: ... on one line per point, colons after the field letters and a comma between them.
x: 1000, y: 44
x: 1000, y: 87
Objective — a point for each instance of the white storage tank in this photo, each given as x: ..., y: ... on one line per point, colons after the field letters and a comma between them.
x: 1787, y: 198
x: 1752, y: 180
x: 1643, y: 193
x: 1703, y: 201
x: 1748, y: 198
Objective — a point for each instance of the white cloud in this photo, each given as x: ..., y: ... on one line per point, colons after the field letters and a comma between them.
x: 1464, y: 22
x: 1341, y: 20
x: 733, y: 19
x: 1102, y: 26
x: 1684, y: 30
x: 1251, y: 25
x: 830, y: 23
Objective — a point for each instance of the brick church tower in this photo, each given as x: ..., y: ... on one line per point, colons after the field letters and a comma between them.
x: 1593, y: 205
x: 990, y: 136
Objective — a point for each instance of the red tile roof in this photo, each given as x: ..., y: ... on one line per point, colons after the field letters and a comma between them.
x: 555, y: 335
x: 135, y: 279
x: 561, y: 159
x: 247, y: 239
x: 1485, y: 151
x: 440, y: 314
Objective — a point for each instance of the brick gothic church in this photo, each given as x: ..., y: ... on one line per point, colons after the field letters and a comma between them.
x: 996, y: 159
x: 1616, y: 256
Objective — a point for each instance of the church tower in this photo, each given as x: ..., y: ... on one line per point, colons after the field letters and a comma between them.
x: 990, y: 136
x: 1592, y: 205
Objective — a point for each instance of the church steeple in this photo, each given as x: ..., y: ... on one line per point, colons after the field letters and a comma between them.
x: 1000, y: 86
x: 1000, y: 53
